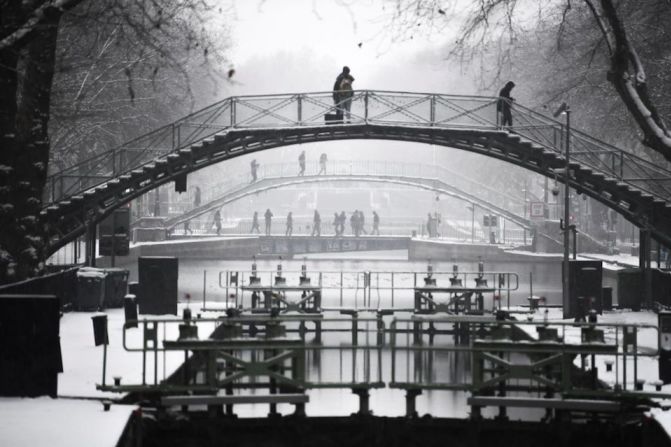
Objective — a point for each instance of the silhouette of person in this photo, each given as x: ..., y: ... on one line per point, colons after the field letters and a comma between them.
x: 316, y: 224
x: 322, y: 164
x: 255, y: 223
x: 196, y: 198
x: 345, y: 95
x: 268, y: 216
x: 217, y: 221
x: 336, y: 86
x: 504, y: 104
x: 336, y: 223
x: 290, y: 224
x: 376, y: 224
x: 301, y: 163
x: 254, y: 167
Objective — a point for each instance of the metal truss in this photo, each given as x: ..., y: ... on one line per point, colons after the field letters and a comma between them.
x: 85, y: 193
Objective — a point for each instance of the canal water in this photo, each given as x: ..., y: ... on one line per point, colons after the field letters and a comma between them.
x: 197, y: 278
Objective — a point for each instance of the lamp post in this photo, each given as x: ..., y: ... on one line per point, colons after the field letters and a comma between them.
x: 565, y: 109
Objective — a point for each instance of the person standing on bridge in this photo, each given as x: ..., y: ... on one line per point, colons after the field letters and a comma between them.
x: 336, y: 86
x: 196, y: 197
x: 316, y: 224
x: 345, y: 95
x: 254, y: 167
x: 341, y: 224
x: 322, y: 163
x: 217, y: 221
x: 362, y: 223
x: 290, y: 224
x: 301, y: 164
x: 255, y: 223
x: 268, y: 216
x: 336, y: 224
x: 376, y: 224
x: 504, y: 105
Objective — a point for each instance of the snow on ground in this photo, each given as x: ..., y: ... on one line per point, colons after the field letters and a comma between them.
x: 62, y: 423
x: 82, y: 361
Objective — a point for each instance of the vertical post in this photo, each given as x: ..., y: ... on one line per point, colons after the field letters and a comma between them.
x: 432, y: 112
x: 113, y: 162
x: 233, y: 118
x: 472, y: 223
x: 299, y: 106
x: 365, y: 107
x: 565, y: 264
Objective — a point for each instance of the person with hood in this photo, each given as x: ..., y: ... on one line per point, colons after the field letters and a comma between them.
x: 504, y: 105
x: 337, y: 85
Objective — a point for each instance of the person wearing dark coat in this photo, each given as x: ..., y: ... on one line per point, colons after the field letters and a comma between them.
x: 504, y: 104
x: 336, y: 86
x: 268, y: 216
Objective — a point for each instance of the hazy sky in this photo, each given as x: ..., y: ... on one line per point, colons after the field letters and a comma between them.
x: 283, y: 46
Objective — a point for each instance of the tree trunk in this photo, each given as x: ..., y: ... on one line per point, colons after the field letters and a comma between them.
x: 24, y: 119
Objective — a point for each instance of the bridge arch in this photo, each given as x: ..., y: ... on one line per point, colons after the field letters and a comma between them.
x: 266, y: 184
x: 635, y: 188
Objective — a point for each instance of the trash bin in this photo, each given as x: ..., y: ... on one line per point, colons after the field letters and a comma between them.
x: 90, y: 289
x: 116, y: 281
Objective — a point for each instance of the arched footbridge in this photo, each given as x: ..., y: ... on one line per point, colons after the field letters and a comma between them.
x: 421, y: 176
x: 84, y: 194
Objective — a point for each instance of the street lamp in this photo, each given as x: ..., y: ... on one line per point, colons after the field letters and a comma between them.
x: 565, y: 109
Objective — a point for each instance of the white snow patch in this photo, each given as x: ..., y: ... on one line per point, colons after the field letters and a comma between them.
x: 60, y: 423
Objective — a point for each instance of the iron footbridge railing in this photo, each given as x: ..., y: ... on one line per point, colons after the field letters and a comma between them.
x: 399, y: 109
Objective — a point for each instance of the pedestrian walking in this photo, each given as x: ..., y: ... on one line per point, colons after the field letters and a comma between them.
x: 341, y: 223
x: 268, y: 216
x: 362, y: 223
x: 254, y: 167
x: 196, y: 197
x: 504, y: 105
x: 187, y: 228
x: 217, y: 221
x: 255, y: 223
x: 336, y: 224
x: 430, y: 225
x: 301, y: 164
x: 290, y: 224
x: 322, y: 163
x: 376, y: 224
x: 354, y: 223
x: 316, y: 224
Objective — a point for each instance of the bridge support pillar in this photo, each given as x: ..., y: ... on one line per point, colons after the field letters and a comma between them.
x: 364, y: 400
x: 644, y: 263
x: 90, y: 244
x: 410, y: 403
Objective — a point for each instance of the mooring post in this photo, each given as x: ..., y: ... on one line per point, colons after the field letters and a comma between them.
x: 364, y: 400
x: 410, y: 402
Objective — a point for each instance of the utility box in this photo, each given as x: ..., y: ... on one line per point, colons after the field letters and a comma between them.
x: 585, y: 278
x: 664, y: 326
x: 30, y: 348
x: 158, y: 285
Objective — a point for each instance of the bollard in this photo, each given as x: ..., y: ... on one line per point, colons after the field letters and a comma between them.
x: 186, y: 314
x: 106, y: 405
x: 639, y: 384
x: 117, y: 380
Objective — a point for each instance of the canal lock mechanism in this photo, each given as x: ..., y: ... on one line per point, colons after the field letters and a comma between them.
x: 525, y: 380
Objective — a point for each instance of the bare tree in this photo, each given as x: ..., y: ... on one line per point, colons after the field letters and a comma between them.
x: 31, y: 43
x: 500, y: 24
